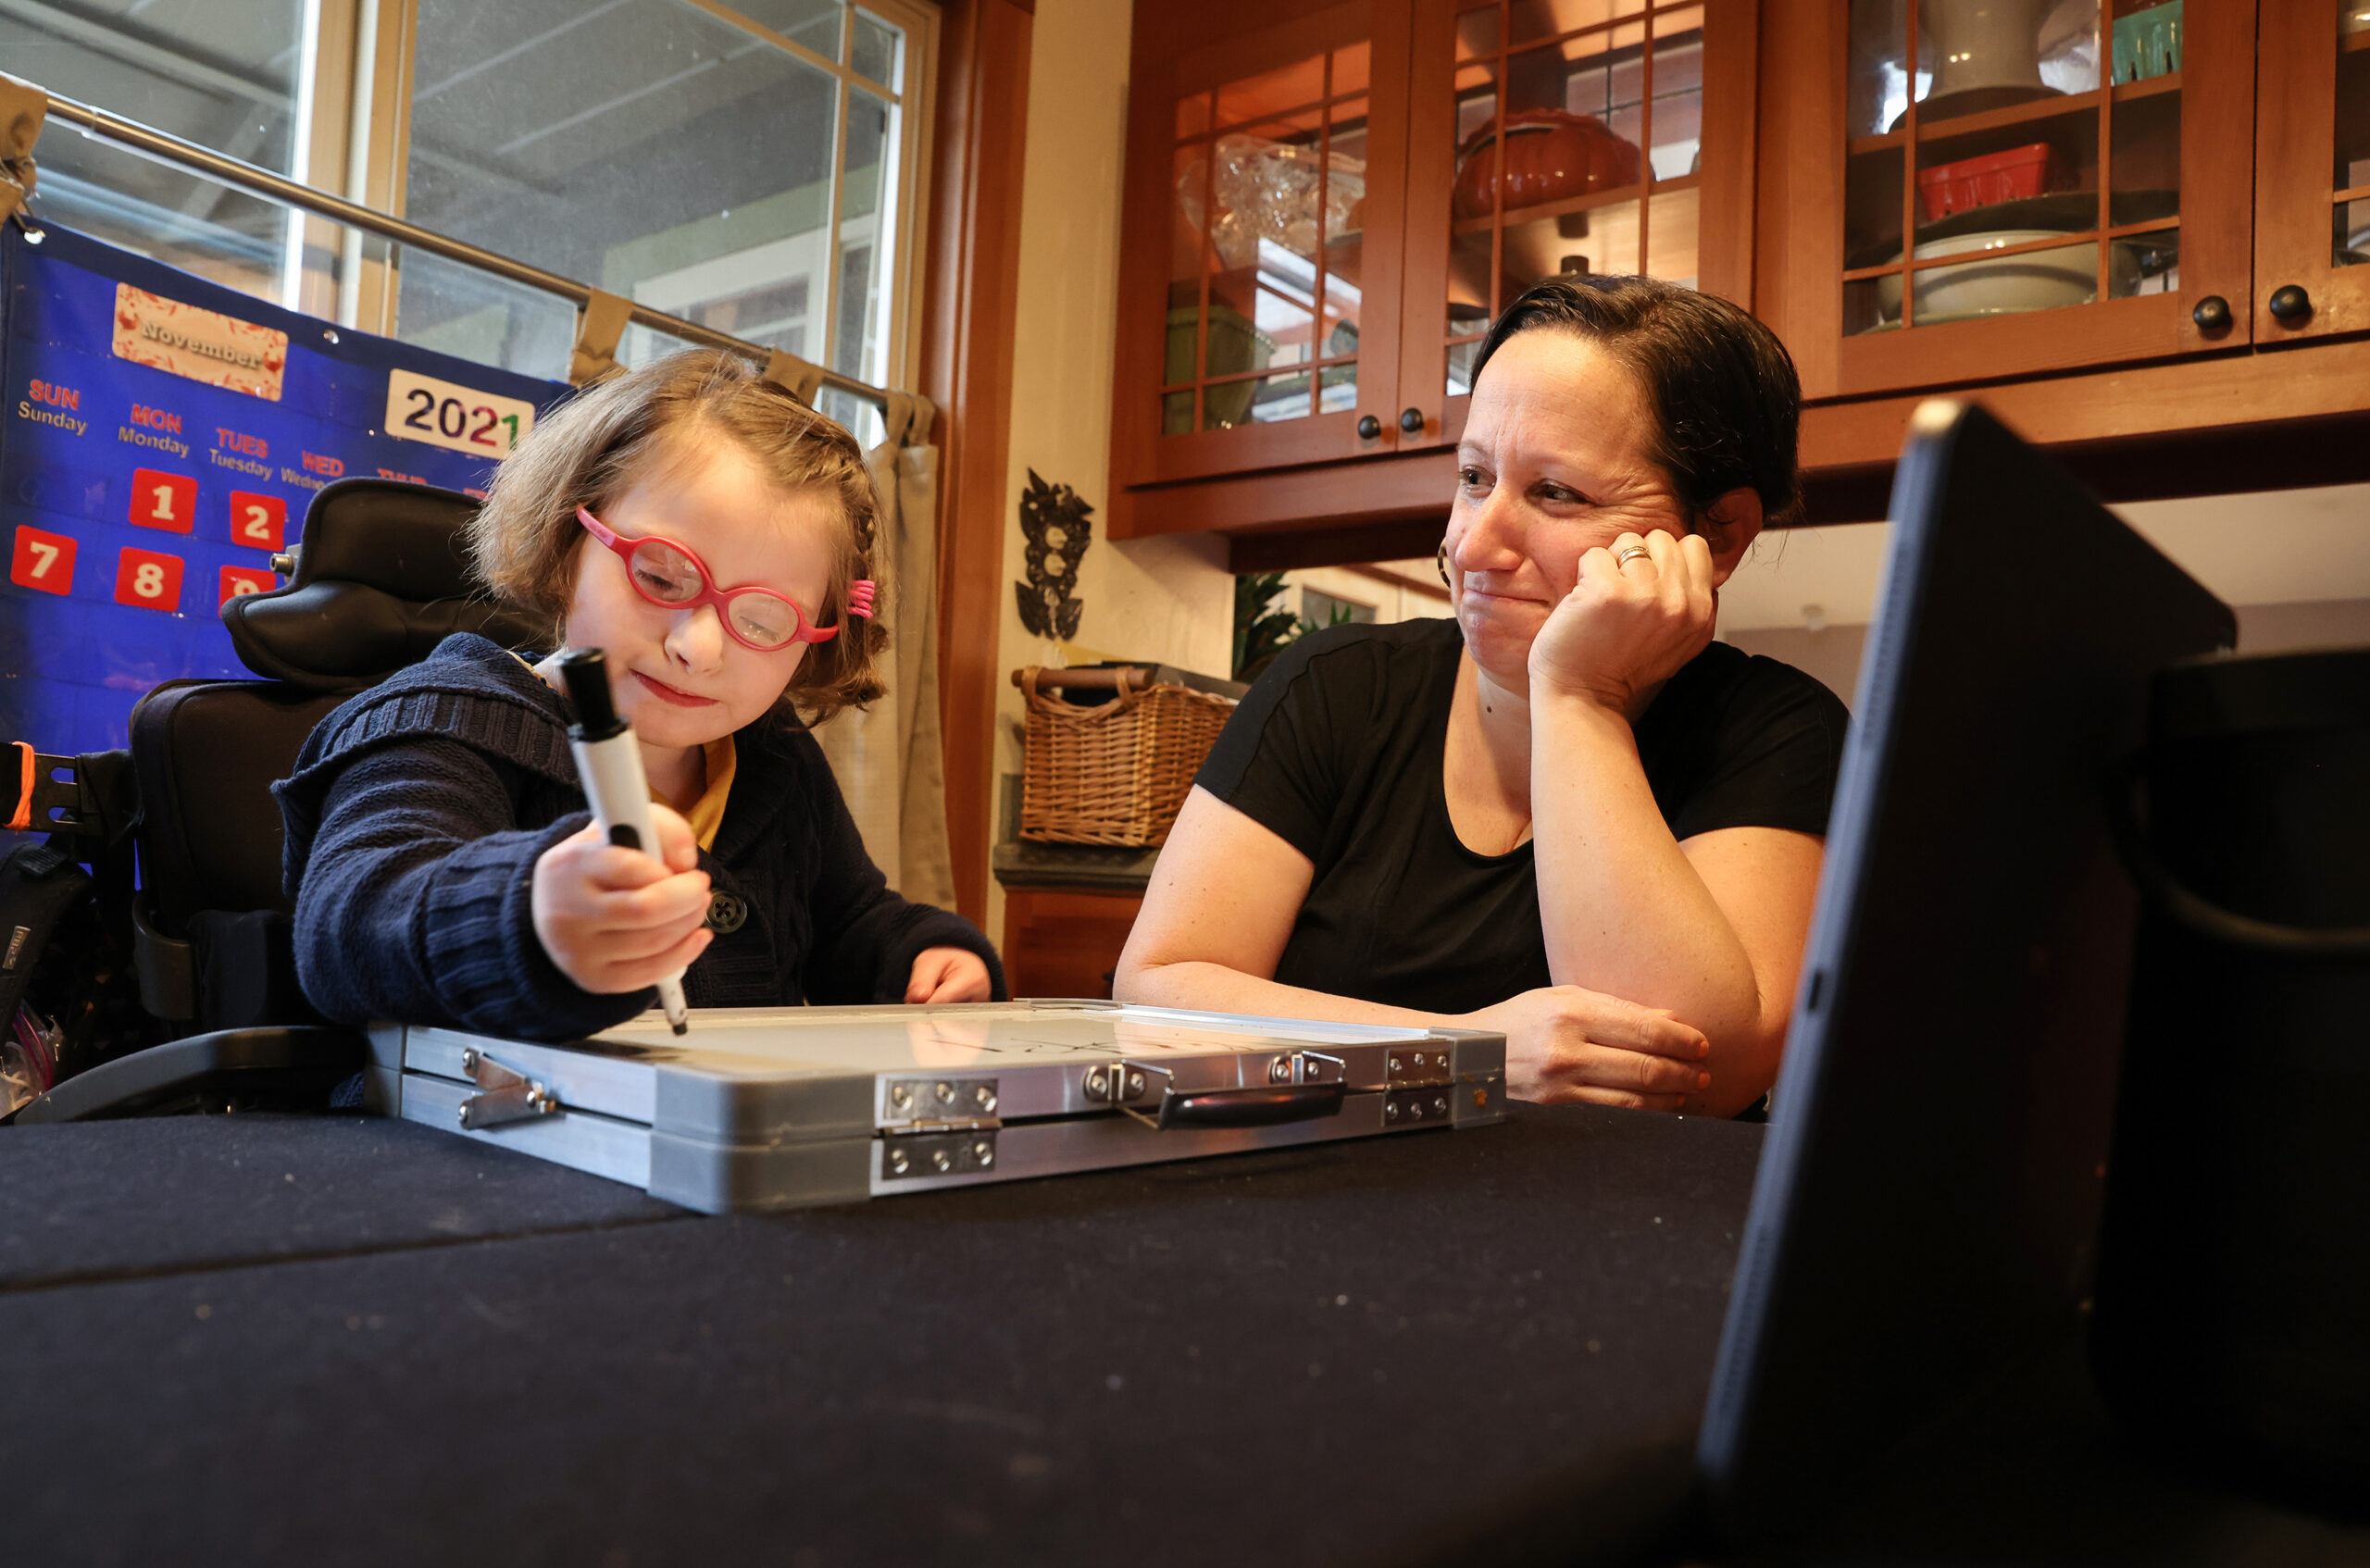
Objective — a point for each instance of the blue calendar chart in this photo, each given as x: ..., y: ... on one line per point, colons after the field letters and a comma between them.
x: 160, y: 439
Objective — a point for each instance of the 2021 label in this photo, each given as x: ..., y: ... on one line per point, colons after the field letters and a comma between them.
x: 446, y: 413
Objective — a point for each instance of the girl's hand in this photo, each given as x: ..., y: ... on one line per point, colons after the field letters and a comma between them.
x: 617, y: 920
x: 948, y: 974
x: 1624, y: 629
x: 1563, y: 1043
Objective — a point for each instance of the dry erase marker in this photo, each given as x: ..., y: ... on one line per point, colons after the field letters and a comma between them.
x: 608, y: 760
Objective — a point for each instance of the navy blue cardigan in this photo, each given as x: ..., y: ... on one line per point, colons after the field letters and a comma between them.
x: 414, y: 816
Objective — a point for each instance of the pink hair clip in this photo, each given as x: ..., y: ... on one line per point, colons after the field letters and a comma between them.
x: 860, y: 594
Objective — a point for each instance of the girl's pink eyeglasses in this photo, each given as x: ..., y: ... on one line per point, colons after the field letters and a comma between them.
x: 673, y: 575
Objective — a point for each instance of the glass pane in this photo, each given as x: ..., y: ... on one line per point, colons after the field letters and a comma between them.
x: 1990, y: 53
x: 473, y: 314
x: 1598, y: 240
x: 1343, y: 218
x: 1352, y: 66
x: 1471, y: 303
x: 2349, y: 226
x: 1267, y: 400
x: 2146, y: 153
x: 1601, y: 79
x: 1477, y: 141
x: 1186, y: 264
x: 813, y: 23
x: 1872, y: 197
x: 217, y: 72
x: 879, y: 52
x: 1676, y: 126
x: 1671, y: 236
x: 860, y: 332
x: 1336, y: 389
x: 646, y: 148
x: 2145, y: 264
x: 2145, y: 43
x: 1459, y: 367
x: 1878, y: 93
x: 2048, y: 279
x: 1477, y: 32
x: 1192, y: 116
x: 853, y: 414
x: 1295, y: 86
x: 1177, y: 413
x: 1528, y: 20
x: 2034, y: 175
x: 2067, y: 46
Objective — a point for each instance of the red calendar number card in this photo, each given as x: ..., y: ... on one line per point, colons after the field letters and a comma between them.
x: 237, y: 580
x: 42, y: 560
x: 259, y: 520
x: 148, y: 580
x: 164, y: 500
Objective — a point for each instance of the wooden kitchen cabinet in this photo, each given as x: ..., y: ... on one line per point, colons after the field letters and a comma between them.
x: 2202, y: 227
x: 2160, y: 170
x: 1325, y: 205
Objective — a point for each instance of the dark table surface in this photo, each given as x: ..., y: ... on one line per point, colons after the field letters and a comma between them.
x: 252, y: 1339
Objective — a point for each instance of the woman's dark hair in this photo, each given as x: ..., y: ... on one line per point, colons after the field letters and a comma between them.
x: 1726, y: 400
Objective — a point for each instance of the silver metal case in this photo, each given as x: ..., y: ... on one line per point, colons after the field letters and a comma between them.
x: 773, y: 1108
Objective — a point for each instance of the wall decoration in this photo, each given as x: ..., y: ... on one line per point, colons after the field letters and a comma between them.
x: 161, y: 436
x: 1053, y: 520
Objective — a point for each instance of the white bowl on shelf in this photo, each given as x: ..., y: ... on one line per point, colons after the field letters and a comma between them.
x: 2042, y: 280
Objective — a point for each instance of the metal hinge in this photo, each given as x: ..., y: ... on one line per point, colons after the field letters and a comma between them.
x: 938, y: 1153
x: 508, y: 1097
x: 944, y: 1101
x: 1410, y: 1068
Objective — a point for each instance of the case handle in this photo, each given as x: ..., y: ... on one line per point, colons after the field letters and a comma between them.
x: 1258, y: 1106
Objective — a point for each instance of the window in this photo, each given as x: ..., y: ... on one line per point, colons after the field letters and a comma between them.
x: 227, y: 74
x: 755, y: 168
x: 741, y: 167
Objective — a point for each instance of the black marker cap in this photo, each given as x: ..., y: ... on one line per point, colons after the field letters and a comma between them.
x: 587, y: 675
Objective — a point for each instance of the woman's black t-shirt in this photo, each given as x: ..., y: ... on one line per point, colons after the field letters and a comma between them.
x: 1339, y: 748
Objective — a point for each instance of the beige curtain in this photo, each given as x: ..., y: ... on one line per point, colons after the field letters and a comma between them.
x: 887, y: 759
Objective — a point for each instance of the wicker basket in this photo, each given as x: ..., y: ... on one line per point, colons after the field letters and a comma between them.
x: 1115, y: 774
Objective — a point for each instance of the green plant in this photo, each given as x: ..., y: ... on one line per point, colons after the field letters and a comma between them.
x: 1261, y: 630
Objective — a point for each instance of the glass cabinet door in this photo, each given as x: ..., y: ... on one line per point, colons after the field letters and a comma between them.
x: 2033, y: 184
x: 1553, y: 137
x: 1276, y: 203
x: 2312, y: 192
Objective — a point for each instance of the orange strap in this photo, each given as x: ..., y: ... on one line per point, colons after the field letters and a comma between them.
x: 24, y: 818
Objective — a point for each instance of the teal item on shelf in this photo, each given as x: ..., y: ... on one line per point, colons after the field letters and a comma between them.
x: 2147, y: 42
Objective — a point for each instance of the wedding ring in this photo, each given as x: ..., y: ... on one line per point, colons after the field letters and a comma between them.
x: 1632, y: 553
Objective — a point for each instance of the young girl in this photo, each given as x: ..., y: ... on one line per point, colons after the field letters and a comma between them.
x: 712, y: 537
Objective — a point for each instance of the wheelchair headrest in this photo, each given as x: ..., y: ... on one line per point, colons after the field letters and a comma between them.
x: 382, y: 578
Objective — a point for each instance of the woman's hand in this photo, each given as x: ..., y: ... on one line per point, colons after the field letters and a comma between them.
x: 617, y: 920
x: 1563, y: 1043
x: 948, y: 974
x: 1624, y: 629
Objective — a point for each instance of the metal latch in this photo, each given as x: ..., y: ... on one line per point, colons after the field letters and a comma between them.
x: 508, y: 1097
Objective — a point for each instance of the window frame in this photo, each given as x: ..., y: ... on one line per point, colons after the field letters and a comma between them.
x: 359, y: 79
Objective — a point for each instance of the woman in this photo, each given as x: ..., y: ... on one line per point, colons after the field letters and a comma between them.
x: 1566, y: 815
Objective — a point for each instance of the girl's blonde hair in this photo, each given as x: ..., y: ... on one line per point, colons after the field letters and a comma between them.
x: 593, y: 449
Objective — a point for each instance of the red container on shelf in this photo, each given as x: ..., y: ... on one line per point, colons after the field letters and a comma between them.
x: 1996, y: 177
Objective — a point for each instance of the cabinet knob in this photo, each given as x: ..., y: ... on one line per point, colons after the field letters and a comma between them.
x: 1368, y: 426
x: 2211, y: 315
x: 1412, y: 420
x: 2289, y: 303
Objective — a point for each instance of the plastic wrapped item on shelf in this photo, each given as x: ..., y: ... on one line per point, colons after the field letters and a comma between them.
x: 1270, y: 191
